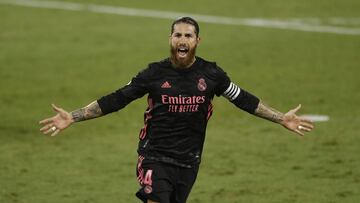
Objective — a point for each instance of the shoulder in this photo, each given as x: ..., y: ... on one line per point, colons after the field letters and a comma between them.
x: 205, y: 63
x: 159, y: 64
x: 211, y: 67
x: 154, y: 68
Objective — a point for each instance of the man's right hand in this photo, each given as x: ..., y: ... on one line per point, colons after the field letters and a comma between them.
x: 57, y: 123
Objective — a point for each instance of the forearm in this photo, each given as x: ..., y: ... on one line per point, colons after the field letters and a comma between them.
x: 268, y: 113
x: 90, y: 111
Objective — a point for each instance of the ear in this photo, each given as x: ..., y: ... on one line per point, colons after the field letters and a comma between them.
x: 198, y: 40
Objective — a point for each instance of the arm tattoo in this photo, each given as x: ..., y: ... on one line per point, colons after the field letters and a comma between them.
x: 90, y: 111
x: 268, y: 113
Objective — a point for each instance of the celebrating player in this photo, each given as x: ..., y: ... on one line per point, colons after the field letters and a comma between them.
x: 180, y: 92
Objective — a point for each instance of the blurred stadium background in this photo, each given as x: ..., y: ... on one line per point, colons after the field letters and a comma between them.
x: 285, y: 51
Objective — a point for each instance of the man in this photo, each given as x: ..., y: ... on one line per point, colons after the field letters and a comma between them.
x: 180, y: 90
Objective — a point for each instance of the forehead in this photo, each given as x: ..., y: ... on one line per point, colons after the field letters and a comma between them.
x: 184, y: 28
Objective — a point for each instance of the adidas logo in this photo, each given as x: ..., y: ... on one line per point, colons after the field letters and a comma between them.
x: 166, y: 85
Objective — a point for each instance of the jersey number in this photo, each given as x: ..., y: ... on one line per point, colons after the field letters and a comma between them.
x: 148, y: 177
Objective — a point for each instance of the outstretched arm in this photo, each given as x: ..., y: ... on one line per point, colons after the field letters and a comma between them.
x: 289, y: 120
x: 64, y: 119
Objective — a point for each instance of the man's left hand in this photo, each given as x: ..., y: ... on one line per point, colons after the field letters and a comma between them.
x: 295, y: 123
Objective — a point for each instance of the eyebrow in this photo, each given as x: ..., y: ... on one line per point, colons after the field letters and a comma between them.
x: 187, y: 34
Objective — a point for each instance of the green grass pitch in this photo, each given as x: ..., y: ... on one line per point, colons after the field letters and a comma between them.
x: 71, y: 58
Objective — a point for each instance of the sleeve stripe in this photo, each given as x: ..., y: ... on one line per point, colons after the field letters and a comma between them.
x: 232, y: 92
x: 228, y: 89
x: 237, y: 94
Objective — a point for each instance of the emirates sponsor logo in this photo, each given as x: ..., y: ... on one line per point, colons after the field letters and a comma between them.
x: 166, y: 99
x: 166, y: 85
x: 183, y: 104
x: 202, y: 84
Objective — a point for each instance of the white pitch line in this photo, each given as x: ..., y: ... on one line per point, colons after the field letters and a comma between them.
x: 344, y: 21
x: 316, y: 118
x: 254, y: 22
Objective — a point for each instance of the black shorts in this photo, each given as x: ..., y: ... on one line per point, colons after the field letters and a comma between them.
x: 164, y: 183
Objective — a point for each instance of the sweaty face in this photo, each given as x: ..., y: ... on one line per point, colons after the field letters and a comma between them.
x: 183, y: 43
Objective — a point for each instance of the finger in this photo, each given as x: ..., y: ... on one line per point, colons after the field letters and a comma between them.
x: 55, y: 132
x: 305, y: 120
x: 306, y: 129
x: 299, y: 132
x: 46, y: 127
x: 57, y: 109
x: 307, y: 125
x: 296, y: 109
x: 48, y: 131
x: 46, y: 121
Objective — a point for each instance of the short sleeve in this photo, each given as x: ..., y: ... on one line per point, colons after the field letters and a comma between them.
x: 135, y: 89
x: 240, y: 97
x: 223, y: 81
x: 138, y: 86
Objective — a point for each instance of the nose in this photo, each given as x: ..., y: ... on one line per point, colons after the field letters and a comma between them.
x: 182, y: 39
x: 182, y: 42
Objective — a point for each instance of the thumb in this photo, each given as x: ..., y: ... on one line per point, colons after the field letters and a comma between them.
x: 296, y: 109
x: 57, y: 109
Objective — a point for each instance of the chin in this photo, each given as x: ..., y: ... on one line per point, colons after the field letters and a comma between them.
x: 181, y: 61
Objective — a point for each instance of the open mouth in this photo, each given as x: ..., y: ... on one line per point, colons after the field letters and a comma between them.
x: 182, y: 51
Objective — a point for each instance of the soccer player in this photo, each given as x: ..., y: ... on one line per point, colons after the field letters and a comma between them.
x: 180, y: 91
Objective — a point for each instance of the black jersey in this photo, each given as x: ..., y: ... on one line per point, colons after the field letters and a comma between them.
x: 179, y: 107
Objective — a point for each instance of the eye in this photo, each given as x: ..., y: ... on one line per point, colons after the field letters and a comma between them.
x: 177, y: 35
x: 188, y: 35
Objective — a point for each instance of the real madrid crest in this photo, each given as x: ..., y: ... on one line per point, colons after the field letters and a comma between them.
x: 202, y: 84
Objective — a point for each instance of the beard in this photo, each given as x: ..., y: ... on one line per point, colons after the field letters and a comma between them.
x: 182, y: 62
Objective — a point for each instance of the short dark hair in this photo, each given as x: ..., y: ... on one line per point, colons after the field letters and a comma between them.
x: 187, y: 20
